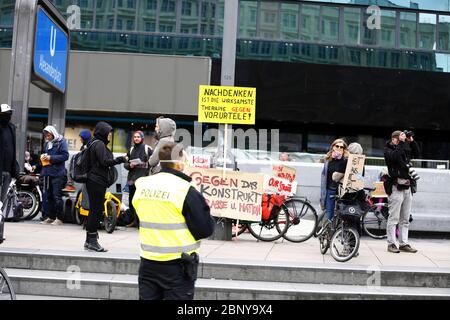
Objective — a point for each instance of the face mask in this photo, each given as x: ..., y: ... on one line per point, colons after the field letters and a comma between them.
x: 336, y: 155
x: 5, y: 118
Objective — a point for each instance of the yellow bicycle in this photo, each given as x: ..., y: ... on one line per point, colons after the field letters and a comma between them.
x: 111, y: 211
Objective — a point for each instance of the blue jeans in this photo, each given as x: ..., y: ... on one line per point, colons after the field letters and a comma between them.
x: 55, y: 206
x: 330, y: 202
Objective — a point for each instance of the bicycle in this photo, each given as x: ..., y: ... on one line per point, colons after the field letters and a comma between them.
x: 339, y: 234
x: 295, y: 221
x: 374, y: 220
x: 111, y: 211
x: 303, y: 219
x: 6, y: 288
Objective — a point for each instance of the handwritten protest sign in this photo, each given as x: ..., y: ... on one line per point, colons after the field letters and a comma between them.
x: 353, y: 179
x: 238, y: 195
x: 284, y: 172
x: 225, y: 104
x: 277, y: 185
x: 200, y: 161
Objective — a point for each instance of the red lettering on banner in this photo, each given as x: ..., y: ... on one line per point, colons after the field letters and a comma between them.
x: 218, y: 204
x: 241, y: 109
x: 273, y: 182
x: 250, y: 208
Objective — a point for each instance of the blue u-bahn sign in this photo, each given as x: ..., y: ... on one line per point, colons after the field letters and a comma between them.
x: 51, y: 50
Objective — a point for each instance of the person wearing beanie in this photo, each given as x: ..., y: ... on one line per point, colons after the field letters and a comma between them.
x: 86, y: 137
x: 165, y: 132
x: 137, y: 167
x: 399, y: 186
x: 56, y: 153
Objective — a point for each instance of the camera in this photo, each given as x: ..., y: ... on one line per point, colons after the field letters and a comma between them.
x: 408, y: 133
x: 412, y: 173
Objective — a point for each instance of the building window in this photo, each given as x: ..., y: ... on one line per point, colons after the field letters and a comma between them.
x: 444, y: 33
x: 186, y: 8
x: 310, y: 22
x: 352, y: 25
x: 168, y: 6
x: 290, y: 15
x: 330, y: 24
x: 408, y: 29
x: 427, y: 31
x: 388, y: 26
x: 151, y: 5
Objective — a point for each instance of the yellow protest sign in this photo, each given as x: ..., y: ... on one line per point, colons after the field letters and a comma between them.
x: 225, y: 104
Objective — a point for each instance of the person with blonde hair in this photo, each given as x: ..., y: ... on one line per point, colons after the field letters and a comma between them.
x: 335, y: 161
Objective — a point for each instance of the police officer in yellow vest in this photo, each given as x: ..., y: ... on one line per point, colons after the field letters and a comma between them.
x: 173, y: 218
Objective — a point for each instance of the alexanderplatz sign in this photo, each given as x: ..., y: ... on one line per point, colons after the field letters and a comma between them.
x: 40, y: 55
x: 50, y: 54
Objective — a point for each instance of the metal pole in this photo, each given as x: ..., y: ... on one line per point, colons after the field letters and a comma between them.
x: 20, y: 72
x: 224, y: 227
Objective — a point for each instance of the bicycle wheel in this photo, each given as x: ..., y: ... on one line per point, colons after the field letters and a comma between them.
x: 79, y: 218
x: 29, y: 203
x: 374, y: 223
x: 6, y: 288
x: 110, y: 218
x: 272, y: 229
x: 344, y: 244
x: 239, y: 228
x: 302, y: 220
x: 324, y: 237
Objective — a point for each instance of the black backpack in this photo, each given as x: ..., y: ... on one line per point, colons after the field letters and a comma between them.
x: 80, y: 165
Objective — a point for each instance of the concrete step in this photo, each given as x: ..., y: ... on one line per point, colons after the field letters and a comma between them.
x: 110, y: 286
x: 337, y: 274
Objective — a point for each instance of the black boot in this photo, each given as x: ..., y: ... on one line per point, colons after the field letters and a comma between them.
x: 92, y: 244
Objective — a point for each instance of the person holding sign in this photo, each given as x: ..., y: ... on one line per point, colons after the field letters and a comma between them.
x: 335, y: 161
x: 173, y: 217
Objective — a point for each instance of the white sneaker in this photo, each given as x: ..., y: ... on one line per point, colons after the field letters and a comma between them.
x: 47, y: 221
x: 57, y: 222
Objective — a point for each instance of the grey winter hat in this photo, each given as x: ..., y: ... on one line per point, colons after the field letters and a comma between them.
x: 355, y: 148
x: 396, y: 134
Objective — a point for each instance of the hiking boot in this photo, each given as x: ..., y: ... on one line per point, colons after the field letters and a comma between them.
x: 92, y: 244
x: 407, y: 248
x: 393, y: 248
x: 57, y: 222
x: 47, y: 221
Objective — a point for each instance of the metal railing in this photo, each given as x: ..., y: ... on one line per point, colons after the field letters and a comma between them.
x: 417, y: 163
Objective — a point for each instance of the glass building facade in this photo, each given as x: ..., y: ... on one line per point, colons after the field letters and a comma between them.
x: 412, y: 35
x: 318, y: 48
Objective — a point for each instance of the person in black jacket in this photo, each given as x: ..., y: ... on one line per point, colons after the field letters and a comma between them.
x: 139, y: 152
x: 398, y: 153
x: 99, y: 179
x: 8, y: 164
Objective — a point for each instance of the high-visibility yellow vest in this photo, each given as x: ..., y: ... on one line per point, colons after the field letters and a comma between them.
x: 163, y: 232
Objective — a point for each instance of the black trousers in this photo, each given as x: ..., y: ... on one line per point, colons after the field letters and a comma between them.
x: 164, y: 281
x: 132, y: 191
x: 96, y: 194
x: 55, y: 205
